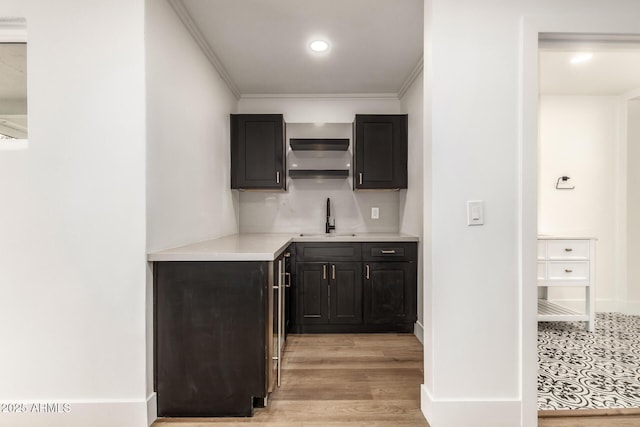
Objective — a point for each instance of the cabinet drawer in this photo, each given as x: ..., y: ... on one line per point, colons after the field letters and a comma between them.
x: 570, y: 271
x: 542, y: 270
x: 568, y: 249
x: 324, y: 252
x: 391, y: 251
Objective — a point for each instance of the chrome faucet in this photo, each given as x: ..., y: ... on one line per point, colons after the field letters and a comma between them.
x: 328, y: 226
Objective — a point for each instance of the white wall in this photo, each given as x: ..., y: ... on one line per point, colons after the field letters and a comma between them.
x: 188, y: 157
x: 579, y: 138
x: 302, y: 208
x: 72, y: 222
x: 411, y: 199
x: 633, y: 206
x: 480, y: 353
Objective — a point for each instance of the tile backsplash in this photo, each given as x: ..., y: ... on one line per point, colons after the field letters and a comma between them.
x: 302, y: 209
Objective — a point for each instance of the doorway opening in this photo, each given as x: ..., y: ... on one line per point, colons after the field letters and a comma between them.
x: 588, y: 144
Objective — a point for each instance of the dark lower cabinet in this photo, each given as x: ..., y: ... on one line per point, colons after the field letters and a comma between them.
x: 213, y: 326
x: 329, y: 293
x: 355, y: 287
x: 390, y: 292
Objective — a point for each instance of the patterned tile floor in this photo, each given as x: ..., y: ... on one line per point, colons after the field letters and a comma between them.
x: 583, y: 370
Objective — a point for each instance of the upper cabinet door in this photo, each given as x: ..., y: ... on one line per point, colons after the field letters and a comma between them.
x: 257, y: 152
x: 380, y: 155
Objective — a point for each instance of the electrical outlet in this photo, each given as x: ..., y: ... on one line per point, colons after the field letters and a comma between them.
x: 375, y: 213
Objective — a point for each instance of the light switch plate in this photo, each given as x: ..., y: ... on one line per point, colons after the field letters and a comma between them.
x: 475, y: 212
x: 375, y: 213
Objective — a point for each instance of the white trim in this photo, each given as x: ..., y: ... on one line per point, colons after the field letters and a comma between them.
x: 418, y: 331
x: 631, y: 95
x: 631, y: 307
x: 477, y: 413
x: 13, y: 30
x: 187, y: 20
x: 106, y: 412
x: 528, y: 221
x: 312, y: 96
x: 152, y: 408
x: 13, y: 144
x: 411, y: 77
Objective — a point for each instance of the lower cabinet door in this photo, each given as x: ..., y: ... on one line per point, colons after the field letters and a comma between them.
x: 390, y: 296
x: 313, y: 293
x: 345, y: 293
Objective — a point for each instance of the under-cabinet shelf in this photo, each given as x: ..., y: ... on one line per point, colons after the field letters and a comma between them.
x: 551, y: 312
x: 319, y: 144
x: 318, y: 173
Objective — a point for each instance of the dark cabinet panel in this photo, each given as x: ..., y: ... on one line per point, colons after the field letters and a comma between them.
x: 312, y: 285
x: 329, y: 293
x: 258, y: 151
x: 345, y: 293
x: 390, y: 292
x: 380, y: 154
x: 212, y: 327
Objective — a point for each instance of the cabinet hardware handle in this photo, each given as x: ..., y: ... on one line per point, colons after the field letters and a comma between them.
x: 388, y: 251
x: 333, y: 271
x: 566, y: 270
x: 287, y: 280
x: 324, y: 271
x: 360, y: 178
x: 568, y: 250
x: 278, y: 177
x: 287, y: 254
x: 367, y: 268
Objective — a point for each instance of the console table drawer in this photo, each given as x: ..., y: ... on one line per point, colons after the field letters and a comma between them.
x: 568, y: 249
x: 568, y: 271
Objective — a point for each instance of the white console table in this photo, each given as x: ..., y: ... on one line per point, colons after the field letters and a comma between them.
x: 566, y: 262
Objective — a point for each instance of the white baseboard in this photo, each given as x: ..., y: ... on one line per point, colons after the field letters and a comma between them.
x: 631, y: 307
x: 456, y: 413
x: 56, y: 413
x: 418, y: 331
x: 152, y: 408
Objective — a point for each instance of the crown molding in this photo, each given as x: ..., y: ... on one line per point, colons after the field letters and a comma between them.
x: 13, y: 30
x: 182, y: 12
x: 411, y: 77
x: 312, y: 96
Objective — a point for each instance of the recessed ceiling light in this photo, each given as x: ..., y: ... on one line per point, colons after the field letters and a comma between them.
x: 319, y: 46
x: 580, y: 58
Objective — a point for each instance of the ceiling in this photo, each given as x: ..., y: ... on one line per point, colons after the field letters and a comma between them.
x: 261, y: 46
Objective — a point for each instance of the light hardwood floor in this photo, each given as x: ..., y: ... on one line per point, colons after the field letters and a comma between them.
x: 363, y: 380
x: 590, y: 418
x: 340, y: 380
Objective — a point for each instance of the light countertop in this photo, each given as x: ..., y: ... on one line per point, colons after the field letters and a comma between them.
x: 262, y: 246
x: 565, y: 237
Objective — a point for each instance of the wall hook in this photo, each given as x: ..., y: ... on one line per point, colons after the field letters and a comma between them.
x: 564, y: 179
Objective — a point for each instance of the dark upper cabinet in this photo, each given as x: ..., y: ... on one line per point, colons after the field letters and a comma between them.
x: 380, y: 152
x: 258, y: 160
